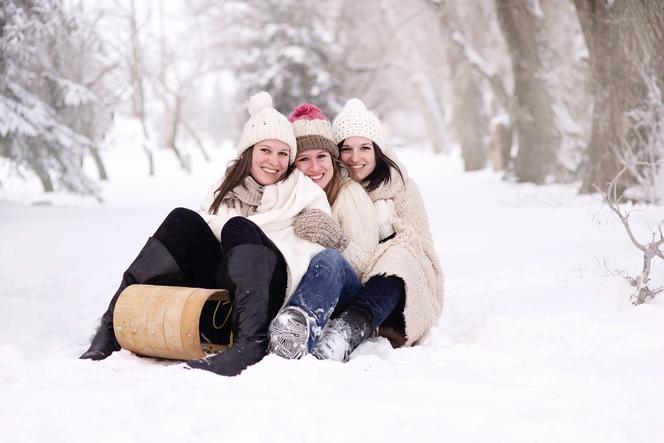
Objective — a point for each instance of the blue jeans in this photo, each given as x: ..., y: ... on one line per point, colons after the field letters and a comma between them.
x: 329, y: 280
x: 379, y: 297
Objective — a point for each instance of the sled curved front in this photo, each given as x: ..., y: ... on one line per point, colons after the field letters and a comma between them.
x: 163, y: 321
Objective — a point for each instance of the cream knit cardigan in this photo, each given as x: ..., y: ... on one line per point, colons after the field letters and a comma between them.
x: 275, y: 215
x: 356, y: 215
x: 410, y: 255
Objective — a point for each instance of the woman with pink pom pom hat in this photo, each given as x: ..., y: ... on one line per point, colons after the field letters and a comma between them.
x: 350, y: 235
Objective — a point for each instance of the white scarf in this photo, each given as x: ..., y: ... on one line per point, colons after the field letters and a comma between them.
x: 275, y: 215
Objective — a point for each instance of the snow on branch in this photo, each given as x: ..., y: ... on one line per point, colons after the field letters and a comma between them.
x: 479, y: 64
x: 642, y: 149
x: 71, y: 93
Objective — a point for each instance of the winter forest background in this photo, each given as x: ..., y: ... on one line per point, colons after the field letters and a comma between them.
x: 534, y: 129
x: 548, y: 91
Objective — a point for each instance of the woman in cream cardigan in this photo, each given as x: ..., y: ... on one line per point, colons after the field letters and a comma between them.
x: 243, y: 240
x: 403, y: 282
x: 350, y: 234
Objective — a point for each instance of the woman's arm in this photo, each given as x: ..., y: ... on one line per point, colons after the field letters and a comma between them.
x: 356, y: 215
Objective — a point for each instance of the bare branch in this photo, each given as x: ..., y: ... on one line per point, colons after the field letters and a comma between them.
x: 612, y: 200
x: 640, y: 283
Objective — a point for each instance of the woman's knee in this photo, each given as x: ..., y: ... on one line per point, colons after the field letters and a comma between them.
x: 240, y: 230
x: 179, y: 222
x: 331, y: 256
x: 328, y: 260
x: 179, y: 214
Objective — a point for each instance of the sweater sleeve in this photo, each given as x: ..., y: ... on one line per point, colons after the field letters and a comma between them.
x: 410, y: 211
x: 356, y: 215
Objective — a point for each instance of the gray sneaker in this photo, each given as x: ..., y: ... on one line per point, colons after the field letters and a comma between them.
x: 289, y: 333
x: 343, y: 334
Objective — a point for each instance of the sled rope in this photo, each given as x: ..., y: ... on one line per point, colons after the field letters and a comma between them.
x: 214, y: 315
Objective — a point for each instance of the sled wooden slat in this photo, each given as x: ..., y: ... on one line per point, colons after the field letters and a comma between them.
x: 163, y: 321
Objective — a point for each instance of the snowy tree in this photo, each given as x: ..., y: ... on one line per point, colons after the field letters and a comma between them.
x: 84, y: 98
x: 183, y: 63
x: 393, y: 58
x: 287, y: 49
x: 410, y: 60
x: 625, y: 41
x: 533, y: 113
x: 469, y: 115
x: 641, y: 152
x: 36, y: 98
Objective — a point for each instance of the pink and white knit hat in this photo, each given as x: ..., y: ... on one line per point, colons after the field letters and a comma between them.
x: 312, y: 129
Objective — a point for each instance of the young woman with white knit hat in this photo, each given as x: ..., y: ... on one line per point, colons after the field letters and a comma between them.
x: 350, y: 234
x: 402, y: 293
x: 243, y: 240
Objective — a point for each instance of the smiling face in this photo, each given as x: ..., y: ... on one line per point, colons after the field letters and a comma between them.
x: 358, y: 154
x: 269, y: 161
x: 317, y: 165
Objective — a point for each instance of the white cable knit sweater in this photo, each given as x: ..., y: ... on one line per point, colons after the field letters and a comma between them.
x: 355, y: 213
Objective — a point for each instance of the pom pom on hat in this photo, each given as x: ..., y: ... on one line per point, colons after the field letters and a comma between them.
x: 266, y: 123
x: 355, y: 120
x: 312, y: 129
x: 355, y: 105
x: 259, y: 102
x: 306, y: 111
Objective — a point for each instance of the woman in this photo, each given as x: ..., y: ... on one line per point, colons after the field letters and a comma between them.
x: 351, y: 235
x: 243, y: 241
x: 403, y: 289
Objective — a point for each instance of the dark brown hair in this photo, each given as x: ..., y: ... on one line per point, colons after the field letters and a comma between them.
x: 236, y: 171
x: 381, y: 173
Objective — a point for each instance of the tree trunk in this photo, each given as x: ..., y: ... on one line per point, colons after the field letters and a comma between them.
x: 98, y: 162
x: 138, y: 94
x: 44, y: 178
x: 538, y: 137
x: 625, y: 41
x: 470, y: 123
x: 136, y: 72
x: 171, y: 126
x: 197, y: 140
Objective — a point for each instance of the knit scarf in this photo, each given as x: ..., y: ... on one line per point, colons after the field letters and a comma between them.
x: 245, y: 197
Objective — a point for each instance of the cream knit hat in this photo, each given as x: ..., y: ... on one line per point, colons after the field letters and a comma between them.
x: 312, y: 129
x: 355, y: 120
x: 266, y: 123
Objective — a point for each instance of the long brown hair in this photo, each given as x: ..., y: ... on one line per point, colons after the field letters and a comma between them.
x: 334, y: 186
x: 236, y: 171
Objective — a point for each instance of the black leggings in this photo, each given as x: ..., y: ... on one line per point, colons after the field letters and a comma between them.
x: 194, y: 247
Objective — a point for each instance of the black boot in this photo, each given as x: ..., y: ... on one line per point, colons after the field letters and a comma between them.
x: 246, y: 272
x: 343, y: 334
x: 154, y: 264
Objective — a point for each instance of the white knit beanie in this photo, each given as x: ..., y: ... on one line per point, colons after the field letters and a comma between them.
x: 355, y: 120
x: 266, y: 123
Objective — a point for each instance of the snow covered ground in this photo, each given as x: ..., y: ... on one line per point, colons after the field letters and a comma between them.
x: 537, y: 342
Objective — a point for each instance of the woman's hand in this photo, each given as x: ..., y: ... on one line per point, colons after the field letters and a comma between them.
x: 318, y: 227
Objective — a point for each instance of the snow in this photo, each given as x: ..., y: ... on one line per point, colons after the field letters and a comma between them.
x: 537, y: 341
